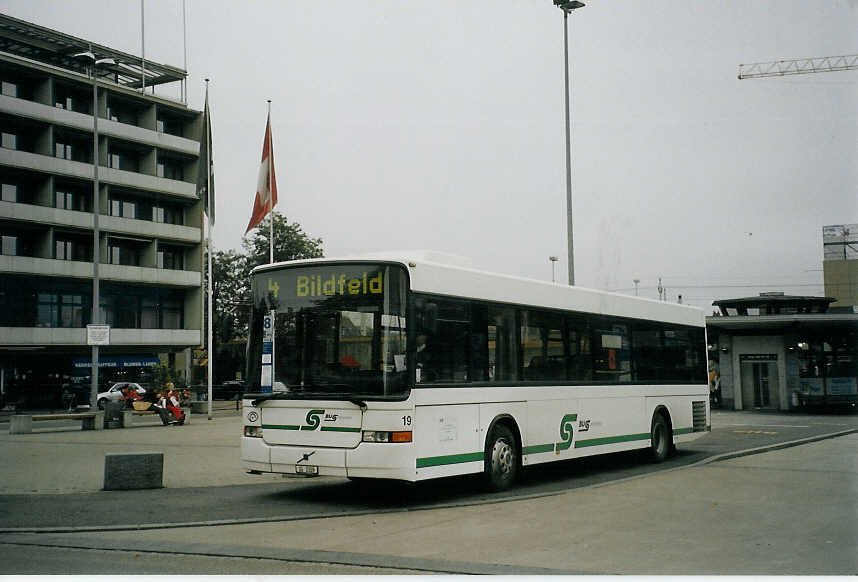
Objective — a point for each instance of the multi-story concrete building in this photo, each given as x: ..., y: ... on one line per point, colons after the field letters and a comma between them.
x: 150, y: 217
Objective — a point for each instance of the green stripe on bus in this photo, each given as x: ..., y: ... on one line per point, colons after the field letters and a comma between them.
x: 449, y: 460
x: 281, y: 426
x: 683, y: 430
x: 549, y: 448
x: 340, y: 429
x: 609, y: 440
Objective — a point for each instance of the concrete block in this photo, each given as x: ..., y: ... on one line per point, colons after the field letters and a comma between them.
x: 94, y: 424
x: 21, y: 424
x: 133, y: 471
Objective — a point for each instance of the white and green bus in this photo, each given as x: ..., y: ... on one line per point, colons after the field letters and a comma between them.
x: 407, y: 367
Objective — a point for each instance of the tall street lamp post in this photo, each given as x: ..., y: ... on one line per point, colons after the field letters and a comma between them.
x: 568, y: 7
x: 553, y: 260
x: 95, y: 317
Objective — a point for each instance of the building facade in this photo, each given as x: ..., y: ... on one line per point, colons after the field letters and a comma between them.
x: 778, y: 352
x: 150, y: 217
x: 840, y: 264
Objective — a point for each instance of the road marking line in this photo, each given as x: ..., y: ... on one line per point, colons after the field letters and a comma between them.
x: 775, y: 425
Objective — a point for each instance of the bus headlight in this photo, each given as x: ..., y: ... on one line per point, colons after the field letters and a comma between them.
x: 375, y: 436
x: 253, y: 431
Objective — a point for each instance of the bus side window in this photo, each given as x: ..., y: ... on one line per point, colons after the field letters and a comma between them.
x: 580, y: 368
x: 502, y: 340
x: 446, y: 327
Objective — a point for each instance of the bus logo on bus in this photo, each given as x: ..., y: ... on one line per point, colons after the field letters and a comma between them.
x: 313, y: 419
x: 567, y: 426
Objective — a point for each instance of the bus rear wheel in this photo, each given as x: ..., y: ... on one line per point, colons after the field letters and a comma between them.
x: 661, y: 445
x: 502, y: 459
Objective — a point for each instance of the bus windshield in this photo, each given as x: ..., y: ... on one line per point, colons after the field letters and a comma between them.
x: 339, y: 331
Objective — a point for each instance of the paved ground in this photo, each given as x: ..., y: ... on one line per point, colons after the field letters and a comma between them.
x: 788, y: 511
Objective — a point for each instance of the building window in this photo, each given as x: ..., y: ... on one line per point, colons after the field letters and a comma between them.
x: 71, y: 311
x: 9, y: 245
x: 71, y: 200
x: 121, y: 113
x: 10, y: 141
x: 9, y: 89
x: 119, y: 254
x: 123, y: 208
x: 172, y: 169
x: 149, y: 313
x: 63, y: 250
x: 171, y: 126
x: 122, y: 161
x: 61, y: 310
x: 171, y: 258
x: 47, y: 310
x: 171, y: 314
x: 63, y: 151
x: 167, y: 214
x: 10, y: 193
x: 71, y: 249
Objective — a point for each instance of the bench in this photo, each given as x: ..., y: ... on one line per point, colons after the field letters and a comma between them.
x: 23, y: 423
x: 128, y: 416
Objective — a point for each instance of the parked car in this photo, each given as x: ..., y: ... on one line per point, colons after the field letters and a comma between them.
x: 115, y: 392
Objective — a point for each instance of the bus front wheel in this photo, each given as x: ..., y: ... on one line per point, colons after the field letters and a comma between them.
x: 501, y: 460
x: 661, y: 444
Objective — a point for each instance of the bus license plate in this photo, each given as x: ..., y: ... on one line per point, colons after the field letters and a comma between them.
x: 307, y: 469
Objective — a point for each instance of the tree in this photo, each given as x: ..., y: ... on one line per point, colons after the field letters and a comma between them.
x: 231, y: 294
x: 290, y: 242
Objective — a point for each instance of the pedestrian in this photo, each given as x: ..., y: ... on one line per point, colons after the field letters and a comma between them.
x: 171, y: 403
x: 159, y: 406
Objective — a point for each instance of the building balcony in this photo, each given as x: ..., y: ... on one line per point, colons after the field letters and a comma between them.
x: 82, y: 171
x: 106, y: 272
x: 109, y: 224
x: 81, y: 121
x: 55, y: 336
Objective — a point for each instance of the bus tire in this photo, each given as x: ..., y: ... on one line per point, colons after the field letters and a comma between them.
x: 661, y: 442
x: 501, y: 459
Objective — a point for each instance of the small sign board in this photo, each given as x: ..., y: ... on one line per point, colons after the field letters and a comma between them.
x: 267, y: 380
x: 97, y: 335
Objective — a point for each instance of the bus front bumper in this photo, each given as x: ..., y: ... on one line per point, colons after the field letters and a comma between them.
x: 372, y: 460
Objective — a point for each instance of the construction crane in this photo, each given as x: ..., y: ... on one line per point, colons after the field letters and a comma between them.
x: 798, y: 67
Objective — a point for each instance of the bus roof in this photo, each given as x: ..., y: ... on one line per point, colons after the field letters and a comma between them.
x: 442, y: 274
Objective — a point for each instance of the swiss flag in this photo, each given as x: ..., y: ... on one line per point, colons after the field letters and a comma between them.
x: 266, y: 183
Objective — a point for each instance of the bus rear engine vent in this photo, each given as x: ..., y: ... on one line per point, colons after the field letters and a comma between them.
x: 698, y: 415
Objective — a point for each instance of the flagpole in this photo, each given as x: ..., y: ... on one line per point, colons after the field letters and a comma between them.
x: 209, y: 245
x: 271, y: 236
x: 270, y: 185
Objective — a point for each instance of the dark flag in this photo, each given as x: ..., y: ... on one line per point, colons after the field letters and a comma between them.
x: 205, y: 173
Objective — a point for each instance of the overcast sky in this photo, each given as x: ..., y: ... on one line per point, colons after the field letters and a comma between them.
x: 439, y: 125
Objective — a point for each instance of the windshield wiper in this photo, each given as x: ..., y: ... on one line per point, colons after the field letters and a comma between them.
x: 271, y: 396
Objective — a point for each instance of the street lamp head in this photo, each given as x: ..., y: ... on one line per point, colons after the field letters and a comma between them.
x: 553, y: 259
x: 85, y: 55
x: 566, y: 5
